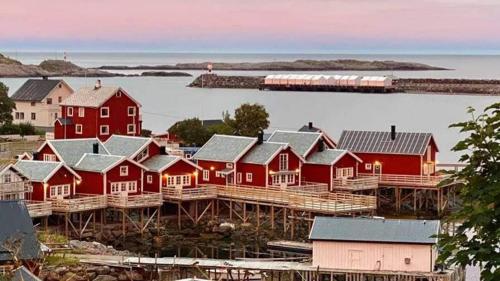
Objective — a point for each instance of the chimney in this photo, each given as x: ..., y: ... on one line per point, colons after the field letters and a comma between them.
x: 95, y: 148
x: 260, y: 137
x: 310, y: 125
x: 163, y: 150
x: 97, y: 84
x: 393, y: 132
x: 321, y: 145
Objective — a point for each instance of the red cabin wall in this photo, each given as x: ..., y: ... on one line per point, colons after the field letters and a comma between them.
x: 153, y: 149
x: 61, y: 177
x: 294, y: 163
x: 134, y: 174
x: 258, y: 174
x: 91, y: 183
x: 154, y: 186
x: 181, y: 168
x: 37, y: 193
x: 392, y: 163
x: 217, y: 166
x: 316, y: 173
x: 347, y: 161
x: 45, y: 150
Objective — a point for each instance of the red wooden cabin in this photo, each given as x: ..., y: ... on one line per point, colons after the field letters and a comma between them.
x: 50, y: 180
x: 165, y: 171
x: 98, y: 112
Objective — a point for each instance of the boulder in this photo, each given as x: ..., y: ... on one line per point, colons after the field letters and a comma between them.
x: 105, y: 278
x: 103, y: 270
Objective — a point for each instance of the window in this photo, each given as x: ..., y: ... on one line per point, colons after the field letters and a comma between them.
x: 131, y: 111
x: 104, y: 112
x: 368, y: 166
x: 239, y: 177
x: 206, y: 175
x: 118, y: 94
x: 79, y: 129
x: 33, y: 116
x: 7, y: 178
x: 49, y: 100
x: 60, y: 190
x: 291, y: 178
x: 218, y: 174
x: 229, y: 165
x: 124, y: 186
x: 249, y: 177
x: 344, y: 173
x: 131, y: 129
x: 171, y: 181
x: 33, y: 103
x: 283, y: 162
x: 19, y: 115
x: 149, y: 179
x: 123, y: 171
x: 49, y: 157
x: 186, y: 180
x: 59, y: 99
x: 81, y: 112
x: 142, y: 155
x: 115, y: 187
x: 70, y: 111
x: 55, y: 116
x: 132, y: 187
x: 104, y: 129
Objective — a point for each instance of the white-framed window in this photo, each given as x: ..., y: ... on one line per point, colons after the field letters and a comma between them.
x: 115, y: 187
x: 81, y: 112
x: 79, y: 129
x: 143, y: 154
x: 131, y: 129
x: 368, y: 166
x: 104, y: 112
x: 249, y: 177
x: 19, y: 115
x: 118, y: 94
x: 290, y: 178
x: 49, y: 157
x: 283, y: 162
x: 7, y: 178
x: 344, y: 173
x: 132, y: 187
x: 104, y: 129
x: 206, y: 175
x: 70, y: 111
x: 229, y: 165
x: 123, y: 171
x: 60, y: 190
x: 131, y: 111
x: 182, y: 180
x: 149, y: 179
x: 186, y: 180
x: 33, y: 116
x: 218, y: 174
x: 239, y: 177
x: 124, y: 186
x: 171, y: 181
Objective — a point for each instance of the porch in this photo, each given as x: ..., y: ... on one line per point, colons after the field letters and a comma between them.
x: 144, y: 200
x: 424, y: 181
x: 79, y: 203
x: 38, y: 209
x: 356, y: 184
x: 188, y: 194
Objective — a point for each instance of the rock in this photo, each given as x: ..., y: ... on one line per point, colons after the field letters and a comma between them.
x: 135, y: 276
x: 105, y: 278
x: 103, y: 270
x: 91, y: 275
x: 61, y: 270
x: 53, y: 276
x: 122, y: 277
x: 71, y: 276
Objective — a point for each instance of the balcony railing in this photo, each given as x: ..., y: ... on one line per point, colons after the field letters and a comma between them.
x: 363, y: 183
x: 78, y: 203
x: 186, y: 194
x: 308, y: 187
x: 39, y: 208
x: 408, y: 180
x: 146, y: 199
x: 15, y: 188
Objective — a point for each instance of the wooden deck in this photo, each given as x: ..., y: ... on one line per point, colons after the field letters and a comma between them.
x: 189, y: 194
x: 358, y: 184
x: 407, y: 180
x: 79, y: 203
x: 15, y: 188
x: 38, y: 209
x: 144, y: 200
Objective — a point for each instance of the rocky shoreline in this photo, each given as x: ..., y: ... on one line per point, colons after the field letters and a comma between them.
x: 404, y: 85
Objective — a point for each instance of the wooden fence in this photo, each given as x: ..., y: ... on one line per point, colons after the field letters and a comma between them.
x: 363, y: 183
x: 39, y: 208
x: 144, y: 200
x: 80, y: 202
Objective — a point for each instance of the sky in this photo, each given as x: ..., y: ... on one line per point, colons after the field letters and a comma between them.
x: 344, y: 26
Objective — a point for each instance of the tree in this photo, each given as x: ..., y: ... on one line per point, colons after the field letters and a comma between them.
x: 6, y: 105
x: 478, y: 238
x: 190, y: 131
x: 250, y: 119
x: 146, y: 133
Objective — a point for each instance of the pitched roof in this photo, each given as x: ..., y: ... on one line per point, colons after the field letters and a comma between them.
x: 329, y: 156
x: 263, y: 153
x: 224, y: 148
x: 375, y: 230
x: 380, y: 142
x: 92, y: 97
x: 72, y: 150
x: 23, y: 274
x: 39, y: 171
x: 301, y: 142
x: 126, y: 145
x: 35, y: 89
x: 18, y: 229
x: 98, y: 162
x: 159, y: 163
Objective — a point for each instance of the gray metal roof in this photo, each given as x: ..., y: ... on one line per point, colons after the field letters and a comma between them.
x: 35, y: 89
x: 36, y: 171
x: 16, y: 225
x: 224, y: 148
x: 158, y: 162
x: 23, y: 274
x: 90, y: 96
x: 125, y: 145
x: 380, y: 142
x: 375, y: 230
x: 97, y: 162
x: 326, y: 157
x: 262, y: 153
x: 72, y: 150
x: 301, y: 142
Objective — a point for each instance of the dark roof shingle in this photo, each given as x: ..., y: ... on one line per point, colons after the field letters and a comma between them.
x: 35, y: 89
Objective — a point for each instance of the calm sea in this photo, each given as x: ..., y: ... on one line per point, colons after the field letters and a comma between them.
x: 167, y: 99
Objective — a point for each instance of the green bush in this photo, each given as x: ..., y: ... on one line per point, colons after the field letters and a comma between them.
x: 23, y: 129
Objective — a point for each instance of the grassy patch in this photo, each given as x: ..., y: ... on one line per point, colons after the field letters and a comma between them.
x: 61, y: 260
x: 48, y: 237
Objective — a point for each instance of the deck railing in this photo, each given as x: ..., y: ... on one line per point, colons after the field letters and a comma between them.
x: 363, y: 183
x: 202, y: 192
x: 408, y: 180
x: 80, y: 202
x: 308, y: 187
x: 15, y: 187
x: 39, y: 208
x: 146, y: 199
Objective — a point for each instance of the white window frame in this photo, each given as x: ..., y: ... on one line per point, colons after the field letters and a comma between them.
x: 102, y: 127
x: 81, y: 112
x: 78, y: 131
x: 49, y: 157
x: 69, y: 111
x: 123, y: 171
x: 62, y: 190
x: 368, y: 166
x: 102, y: 115
x: 239, y: 177
x: 128, y: 111
x: 206, y: 175
x: 128, y: 127
x: 290, y: 178
x: 283, y: 162
x: 229, y: 165
x: 249, y: 177
x: 143, y: 154
x: 7, y: 178
x: 123, y: 186
x: 344, y: 173
x: 149, y: 178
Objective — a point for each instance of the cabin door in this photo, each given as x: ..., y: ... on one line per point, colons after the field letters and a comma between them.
x: 377, y: 168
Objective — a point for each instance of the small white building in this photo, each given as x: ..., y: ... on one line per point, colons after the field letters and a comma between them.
x: 13, y: 184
